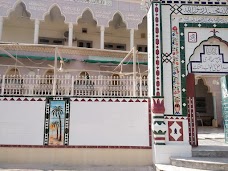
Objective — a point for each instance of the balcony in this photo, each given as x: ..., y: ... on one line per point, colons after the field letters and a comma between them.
x: 94, y: 86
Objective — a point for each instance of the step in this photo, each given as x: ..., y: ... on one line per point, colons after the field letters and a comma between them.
x: 164, y: 167
x: 208, y: 151
x: 211, y: 153
x: 205, y: 163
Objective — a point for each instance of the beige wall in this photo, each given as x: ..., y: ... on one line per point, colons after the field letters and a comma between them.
x: 76, y: 156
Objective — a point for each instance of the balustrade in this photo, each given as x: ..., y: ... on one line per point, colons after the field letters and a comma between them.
x: 94, y: 86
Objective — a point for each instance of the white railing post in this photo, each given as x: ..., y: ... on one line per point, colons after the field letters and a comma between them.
x: 134, y: 72
x: 3, y: 84
x: 140, y: 86
x: 55, y: 72
x: 72, y: 86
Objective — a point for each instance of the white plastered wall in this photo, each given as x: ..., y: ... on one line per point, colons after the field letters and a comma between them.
x: 109, y: 124
x: 22, y: 123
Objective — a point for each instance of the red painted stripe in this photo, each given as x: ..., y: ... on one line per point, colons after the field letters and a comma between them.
x: 159, y: 138
x: 72, y: 146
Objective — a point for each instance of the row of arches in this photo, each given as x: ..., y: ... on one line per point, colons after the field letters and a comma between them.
x: 77, y: 9
x: 19, y: 27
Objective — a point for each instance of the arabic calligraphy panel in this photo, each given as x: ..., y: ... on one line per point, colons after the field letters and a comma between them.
x: 210, y: 61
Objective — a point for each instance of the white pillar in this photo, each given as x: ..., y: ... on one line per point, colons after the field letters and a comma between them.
x: 102, y: 37
x: 131, y: 38
x: 36, y: 31
x: 1, y: 27
x: 70, y: 38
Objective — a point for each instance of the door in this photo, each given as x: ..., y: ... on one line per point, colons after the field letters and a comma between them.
x: 224, y: 82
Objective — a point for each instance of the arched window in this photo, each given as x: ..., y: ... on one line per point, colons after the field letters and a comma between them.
x: 49, y: 75
x: 83, y: 85
x: 115, y: 80
x: 144, y: 80
x: 13, y: 82
x: 84, y: 75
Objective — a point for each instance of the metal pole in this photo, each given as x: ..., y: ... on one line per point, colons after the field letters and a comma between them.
x: 55, y: 69
x: 129, y: 53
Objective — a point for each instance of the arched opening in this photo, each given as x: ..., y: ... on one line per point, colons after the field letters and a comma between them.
x: 84, y: 75
x: 52, y: 29
x: 115, y: 79
x: 86, y: 31
x: 206, y: 91
x: 13, y: 82
x: 141, y: 36
x: 204, y: 104
x: 117, y: 37
x: 18, y: 27
x: 115, y: 87
x: 44, y: 84
x: 49, y: 75
x: 83, y: 85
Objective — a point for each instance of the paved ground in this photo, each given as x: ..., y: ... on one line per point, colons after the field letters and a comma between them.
x: 209, y: 138
x: 27, y: 167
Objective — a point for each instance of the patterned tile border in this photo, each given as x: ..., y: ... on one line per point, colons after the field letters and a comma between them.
x: 100, y: 147
x: 157, y: 52
x: 198, y: 2
x: 75, y: 99
x: 107, y: 100
x: 22, y: 99
x: 176, y: 118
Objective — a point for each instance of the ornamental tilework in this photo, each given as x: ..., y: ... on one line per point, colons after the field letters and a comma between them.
x: 175, y: 131
x: 176, y: 71
x: 182, y: 27
x: 157, y: 49
x: 56, y: 126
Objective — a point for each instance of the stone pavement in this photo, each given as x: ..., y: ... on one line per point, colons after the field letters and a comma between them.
x: 212, y: 138
x: 30, y: 167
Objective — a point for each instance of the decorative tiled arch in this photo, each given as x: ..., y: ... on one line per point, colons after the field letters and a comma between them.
x: 182, y: 26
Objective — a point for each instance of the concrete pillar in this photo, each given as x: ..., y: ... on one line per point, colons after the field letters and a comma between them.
x: 1, y: 27
x: 102, y: 37
x: 70, y: 38
x: 36, y: 31
x: 131, y: 38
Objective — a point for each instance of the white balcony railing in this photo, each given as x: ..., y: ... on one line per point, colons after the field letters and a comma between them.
x: 94, y: 86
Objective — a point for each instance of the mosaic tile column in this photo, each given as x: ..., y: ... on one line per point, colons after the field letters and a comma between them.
x: 159, y: 128
x: 193, y: 136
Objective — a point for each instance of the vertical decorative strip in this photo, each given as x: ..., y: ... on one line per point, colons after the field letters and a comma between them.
x: 46, y: 122
x: 67, y: 121
x: 57, y: 119
x: 159, y: 127
x: 183, y: 69
x: 157, y: 46
x: 176, y: 72
x: 193, y: 139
